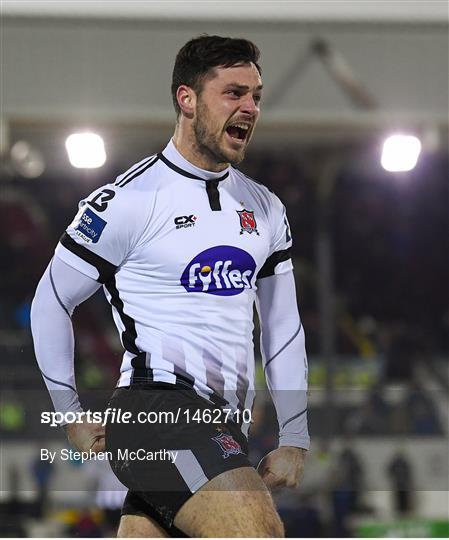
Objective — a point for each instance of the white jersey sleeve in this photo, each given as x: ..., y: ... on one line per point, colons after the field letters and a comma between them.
x: 284, y: 357
x: 279, y: 257
x: 60, y: 290
x: 102, y: 234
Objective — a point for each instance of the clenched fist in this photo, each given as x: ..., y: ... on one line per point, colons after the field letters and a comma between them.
x: 282, y: 467
x: 86, y: 436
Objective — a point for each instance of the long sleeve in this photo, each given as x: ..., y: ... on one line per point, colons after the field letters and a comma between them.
x: 284, y: 356
x: 60, y: 290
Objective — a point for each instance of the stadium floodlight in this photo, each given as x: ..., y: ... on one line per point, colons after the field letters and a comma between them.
x: 85, y: 150
x: 27, y: 160
x: 400, y: 153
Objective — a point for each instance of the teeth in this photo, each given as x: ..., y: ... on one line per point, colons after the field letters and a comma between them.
x: 241, y: 126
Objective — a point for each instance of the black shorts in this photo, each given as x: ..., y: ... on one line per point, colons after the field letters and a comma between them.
x: 184, y: 443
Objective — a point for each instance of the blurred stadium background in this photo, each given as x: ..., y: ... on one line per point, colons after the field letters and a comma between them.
x: 370, y: 251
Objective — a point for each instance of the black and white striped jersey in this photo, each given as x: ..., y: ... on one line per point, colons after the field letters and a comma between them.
x: 179, y: 251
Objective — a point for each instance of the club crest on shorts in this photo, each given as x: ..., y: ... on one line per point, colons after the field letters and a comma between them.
x: 228, y: 445
x: 247, y: 221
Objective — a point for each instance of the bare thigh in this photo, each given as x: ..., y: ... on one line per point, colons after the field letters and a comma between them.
x: 234, y: 504
x: 139, y: 527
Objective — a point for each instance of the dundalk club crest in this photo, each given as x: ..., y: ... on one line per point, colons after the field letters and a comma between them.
x: 247, y: 221
x: 228, y: 445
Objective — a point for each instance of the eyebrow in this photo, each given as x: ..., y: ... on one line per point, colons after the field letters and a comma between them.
x: 242, y: 86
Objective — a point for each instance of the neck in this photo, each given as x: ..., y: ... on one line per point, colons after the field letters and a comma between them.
x: 186, y: 144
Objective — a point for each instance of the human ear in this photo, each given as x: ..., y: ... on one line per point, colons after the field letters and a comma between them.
x: 186, y: 100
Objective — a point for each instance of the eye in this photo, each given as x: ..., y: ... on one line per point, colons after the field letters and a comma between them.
x: 234, y: 93
x: 257, y: 98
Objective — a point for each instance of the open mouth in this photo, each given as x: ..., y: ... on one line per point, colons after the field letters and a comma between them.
x: 238, y: 131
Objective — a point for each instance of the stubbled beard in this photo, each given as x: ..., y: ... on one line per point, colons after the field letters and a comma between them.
x: 206, y: 142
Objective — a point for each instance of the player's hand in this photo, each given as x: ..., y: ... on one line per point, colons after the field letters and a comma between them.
x: 86, y: 436
x: 282, y: 467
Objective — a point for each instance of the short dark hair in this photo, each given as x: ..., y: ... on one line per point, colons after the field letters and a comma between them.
x: 201, y: 54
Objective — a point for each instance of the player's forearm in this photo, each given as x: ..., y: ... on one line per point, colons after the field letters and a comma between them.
x: 53, y: 338
x: 60, y: 290
x: 284, y: 357
x: 286, y: 376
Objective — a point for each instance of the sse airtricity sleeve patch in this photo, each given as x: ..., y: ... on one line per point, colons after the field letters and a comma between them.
x: 88, y: 225
x: 101, y: 234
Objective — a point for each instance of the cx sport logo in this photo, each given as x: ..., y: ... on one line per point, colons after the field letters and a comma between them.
x: 221, y: 270
x: 183, y: 222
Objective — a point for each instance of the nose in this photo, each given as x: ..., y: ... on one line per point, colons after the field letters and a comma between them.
x: 249, y: 105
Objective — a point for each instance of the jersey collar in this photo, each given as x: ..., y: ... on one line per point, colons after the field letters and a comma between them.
x: 173, y: 159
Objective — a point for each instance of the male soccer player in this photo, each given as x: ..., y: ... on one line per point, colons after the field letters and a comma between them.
x: 184, y: 244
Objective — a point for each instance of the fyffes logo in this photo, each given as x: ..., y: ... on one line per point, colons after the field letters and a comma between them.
x: 221, y: 270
